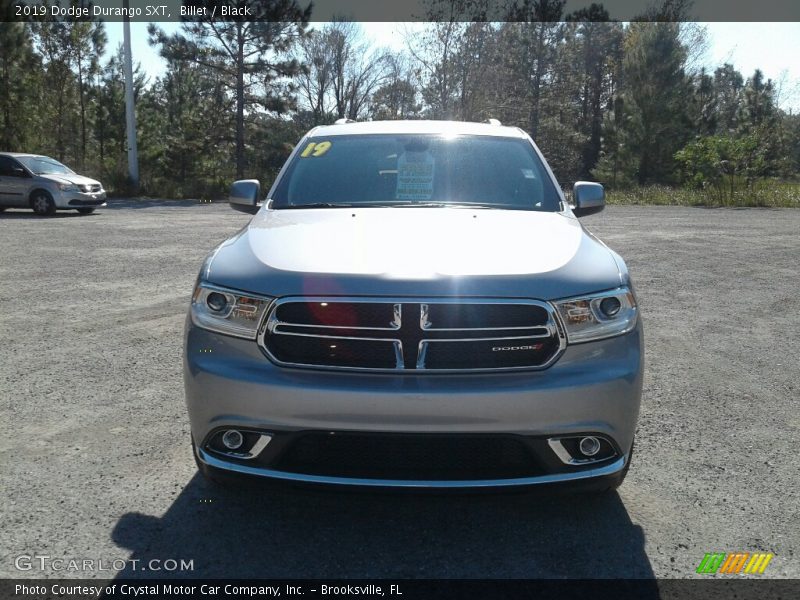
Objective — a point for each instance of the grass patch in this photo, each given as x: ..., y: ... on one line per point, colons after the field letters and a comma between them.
x: 765, y: 194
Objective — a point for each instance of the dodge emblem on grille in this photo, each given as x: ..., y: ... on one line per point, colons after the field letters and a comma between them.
x: 513, y: 348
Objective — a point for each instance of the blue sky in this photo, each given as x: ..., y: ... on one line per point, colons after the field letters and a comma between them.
x: 772, y: 47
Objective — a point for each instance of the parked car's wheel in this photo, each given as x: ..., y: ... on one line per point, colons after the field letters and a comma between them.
x: 86, y: 210
x: 42, y: 203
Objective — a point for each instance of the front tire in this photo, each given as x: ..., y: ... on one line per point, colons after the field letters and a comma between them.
x: 42, y: 203
x: 86, y: 210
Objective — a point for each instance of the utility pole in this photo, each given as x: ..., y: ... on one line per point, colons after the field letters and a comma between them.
x: 130, y: 114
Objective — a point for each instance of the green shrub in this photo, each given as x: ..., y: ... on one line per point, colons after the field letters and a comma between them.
x: 765, y: 192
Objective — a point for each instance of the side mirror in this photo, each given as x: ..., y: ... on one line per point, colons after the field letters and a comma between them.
x: 589, y: 198
x: 244, y: 195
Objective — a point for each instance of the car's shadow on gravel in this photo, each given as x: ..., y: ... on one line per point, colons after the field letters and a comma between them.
x: 286, y: 532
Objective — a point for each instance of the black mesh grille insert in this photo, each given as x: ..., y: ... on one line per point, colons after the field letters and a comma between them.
x: 499, y: 316
x: 490, y: 354
x: 318, y: 351
x: 410, y: 456
x: 337, y: 314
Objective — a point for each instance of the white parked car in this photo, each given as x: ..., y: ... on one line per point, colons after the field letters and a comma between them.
x: 45, y: 185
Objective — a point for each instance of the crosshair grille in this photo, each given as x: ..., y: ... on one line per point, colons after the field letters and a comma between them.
x: 412, y: 335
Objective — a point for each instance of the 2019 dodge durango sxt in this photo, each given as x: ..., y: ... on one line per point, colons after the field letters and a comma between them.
x: 414, y: 304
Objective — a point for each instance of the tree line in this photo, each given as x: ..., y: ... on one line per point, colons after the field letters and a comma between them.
x: 624, y: 104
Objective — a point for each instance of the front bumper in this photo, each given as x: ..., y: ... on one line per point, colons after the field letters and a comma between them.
x: 606, y: 470
x: 80, y: 199
x: 593, y: 388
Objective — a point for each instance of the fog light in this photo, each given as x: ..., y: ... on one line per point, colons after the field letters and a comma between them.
x: 232, y: 439
x: 589, y: 446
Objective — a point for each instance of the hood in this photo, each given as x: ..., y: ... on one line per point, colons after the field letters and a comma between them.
x: 414, y: 252
x: 69, y: 178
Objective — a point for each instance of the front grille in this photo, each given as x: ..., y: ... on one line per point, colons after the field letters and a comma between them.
x: 394, y: 335
x: 418, y: 457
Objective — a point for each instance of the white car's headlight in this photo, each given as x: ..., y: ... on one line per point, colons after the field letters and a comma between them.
x: 227, y: 311
x: 598, y: 316
x: 68, y: 187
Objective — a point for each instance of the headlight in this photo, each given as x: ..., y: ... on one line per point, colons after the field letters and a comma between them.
x: 68, y: 187
x: 598, y: 316
x: 227, y: 311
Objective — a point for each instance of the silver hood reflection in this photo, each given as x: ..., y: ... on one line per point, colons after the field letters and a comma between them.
x: 414, y: 252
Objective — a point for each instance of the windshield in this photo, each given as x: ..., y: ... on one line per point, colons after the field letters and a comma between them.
x: 416, y: 170
x: 43, y: 165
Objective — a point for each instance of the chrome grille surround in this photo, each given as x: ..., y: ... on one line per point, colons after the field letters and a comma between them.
x: 551, y: 330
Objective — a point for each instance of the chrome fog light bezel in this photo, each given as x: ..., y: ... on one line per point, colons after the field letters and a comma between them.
x: 575, y: 457
x: 253, y: 443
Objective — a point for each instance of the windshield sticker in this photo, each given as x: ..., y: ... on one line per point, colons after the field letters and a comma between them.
x: 528, y: 174
x: 415, y: 176
x: 316, y: 149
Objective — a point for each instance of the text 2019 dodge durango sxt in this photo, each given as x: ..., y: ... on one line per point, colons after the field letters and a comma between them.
x: 414, y: 304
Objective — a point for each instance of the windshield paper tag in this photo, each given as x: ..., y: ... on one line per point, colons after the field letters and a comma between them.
x: 415, y: 176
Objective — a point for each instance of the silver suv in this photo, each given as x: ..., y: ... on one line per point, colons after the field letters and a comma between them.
x: 45, y: 185
x: 414, y: 304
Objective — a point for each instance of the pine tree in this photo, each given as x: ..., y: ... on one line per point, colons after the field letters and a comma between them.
x: 19, y: 79
x: 251, y: 56
x: 656, y: 94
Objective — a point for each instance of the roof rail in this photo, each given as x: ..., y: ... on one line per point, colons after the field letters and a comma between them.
x: 344, y: 121
x: 493, y: 122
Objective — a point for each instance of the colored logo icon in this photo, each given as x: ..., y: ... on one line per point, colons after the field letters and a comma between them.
x: 737, y: 562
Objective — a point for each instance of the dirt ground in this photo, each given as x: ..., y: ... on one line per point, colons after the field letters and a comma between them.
x: 95, y: 452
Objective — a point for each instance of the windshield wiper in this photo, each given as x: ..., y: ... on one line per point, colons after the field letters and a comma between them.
x: 403, y: 204
x: 318, y: 205
x: 453, y: 205
x: 348, y: 205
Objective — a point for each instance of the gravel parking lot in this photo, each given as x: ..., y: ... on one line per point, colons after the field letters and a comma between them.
x: 95, y: 448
